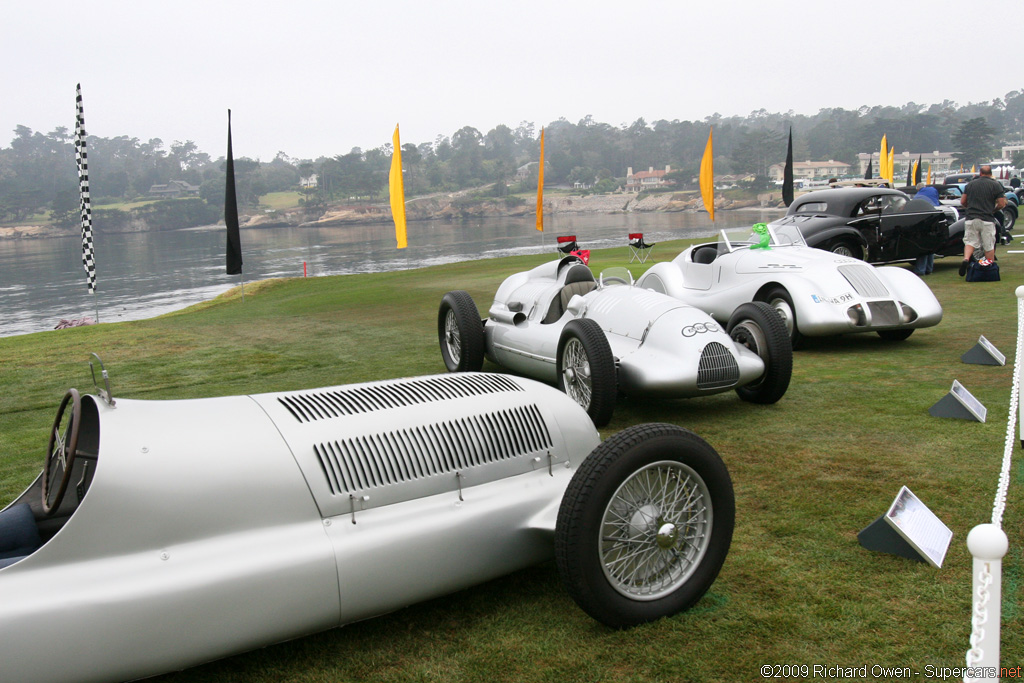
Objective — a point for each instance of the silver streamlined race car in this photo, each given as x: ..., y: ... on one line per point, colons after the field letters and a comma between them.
x: 816, y: 293
x: 164, y: 534
x: 595, y: 338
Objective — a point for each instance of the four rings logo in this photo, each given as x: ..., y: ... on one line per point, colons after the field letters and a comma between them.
x: 699, y: 328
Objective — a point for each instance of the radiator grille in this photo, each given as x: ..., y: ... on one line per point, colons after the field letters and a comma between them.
x: 428, y: 451
x: 864, y: 280
x: 884, y: 313
x: 718, y: 368
x: 368, y: 398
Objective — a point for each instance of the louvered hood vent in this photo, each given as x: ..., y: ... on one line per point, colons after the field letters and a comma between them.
x: 426, y: 458
x: 864, y: 280
x: 325, y: 404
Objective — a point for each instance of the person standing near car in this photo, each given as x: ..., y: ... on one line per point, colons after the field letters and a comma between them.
x: 982, y: 197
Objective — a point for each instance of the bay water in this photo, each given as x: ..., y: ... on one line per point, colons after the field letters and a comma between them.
x: 141, y: 275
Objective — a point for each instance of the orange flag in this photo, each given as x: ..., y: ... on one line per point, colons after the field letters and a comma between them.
x: 397, y: 188
x: 883, y: 159
x: 707, y: 177
x: 929, y: 173
x: 540, y: 185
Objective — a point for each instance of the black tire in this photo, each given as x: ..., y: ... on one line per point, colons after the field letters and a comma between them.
x: 588, y: 376
x: 779, y: 299
x: 895, y: 335
x: 460, y: 332
x: 631, y: 495
x: 1009, y: 217
x: 757, y: 326
x: 844, y: 246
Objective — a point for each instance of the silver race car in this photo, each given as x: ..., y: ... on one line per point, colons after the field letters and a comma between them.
x: 816, y: 293
x: 164, y: 534
x: 597, y: 337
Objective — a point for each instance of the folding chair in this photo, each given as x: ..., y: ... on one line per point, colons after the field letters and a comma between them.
x: 567, y: 244
x: 640, y: 250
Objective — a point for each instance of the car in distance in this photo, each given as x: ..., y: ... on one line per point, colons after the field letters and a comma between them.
x: 815, y: 293
x: 596, y: 338
x: 165, y: 534
x: 875, y: 224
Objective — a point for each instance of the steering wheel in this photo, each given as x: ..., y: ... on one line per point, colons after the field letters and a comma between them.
x: 61, y: 451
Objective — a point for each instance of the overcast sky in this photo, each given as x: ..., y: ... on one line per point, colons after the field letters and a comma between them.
x: 319, y: 77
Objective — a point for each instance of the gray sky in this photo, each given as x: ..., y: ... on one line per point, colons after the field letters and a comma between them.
x: 318, y: 77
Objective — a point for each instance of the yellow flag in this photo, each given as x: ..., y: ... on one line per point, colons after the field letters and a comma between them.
x: 929, y: 173
x: 913, y: 172
x: 972, y: 169
x: 540, y: 185
x: 397, y: 188
x: 892, y: 165
x: 883, y: 159
x: 707, y: 177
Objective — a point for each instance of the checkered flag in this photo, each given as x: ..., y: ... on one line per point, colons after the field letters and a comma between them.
x: 88, y: 253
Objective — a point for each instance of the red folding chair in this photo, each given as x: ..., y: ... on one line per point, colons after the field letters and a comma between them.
x: 567, y: 244
x: 639, y: 249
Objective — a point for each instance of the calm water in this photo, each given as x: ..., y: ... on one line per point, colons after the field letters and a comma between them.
x: 147, y: 274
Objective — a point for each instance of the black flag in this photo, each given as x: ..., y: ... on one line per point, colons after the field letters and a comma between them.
x: 910, y: 175
x: 867, y: 175
x: 787, y: 173
x: 234, y: 250
x: 917, y: 174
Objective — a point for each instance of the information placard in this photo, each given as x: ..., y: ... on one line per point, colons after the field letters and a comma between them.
x: 919, y: 527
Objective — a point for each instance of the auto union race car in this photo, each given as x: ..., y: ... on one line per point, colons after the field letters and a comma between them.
x: 164, y: 534
x: 593, y: 338
x: 816, y: 293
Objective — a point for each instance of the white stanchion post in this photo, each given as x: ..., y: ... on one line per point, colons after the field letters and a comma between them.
x: 987, y: 544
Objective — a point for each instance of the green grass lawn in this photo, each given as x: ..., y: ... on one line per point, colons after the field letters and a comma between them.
x: 809, y: 473
x: 279, y: 201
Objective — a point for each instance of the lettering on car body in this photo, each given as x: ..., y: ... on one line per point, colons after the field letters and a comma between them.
x: 841, y: 299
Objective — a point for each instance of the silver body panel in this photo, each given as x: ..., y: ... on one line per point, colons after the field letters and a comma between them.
x: 822, y: 285
x: 215, y: 526
x: 644, y: 329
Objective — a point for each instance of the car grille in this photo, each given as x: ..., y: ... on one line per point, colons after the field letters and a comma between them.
x: 431, y: 451
x: 864, y: 280
x: 321, y: 405
x: 884, y: 313
x: 718, y: 368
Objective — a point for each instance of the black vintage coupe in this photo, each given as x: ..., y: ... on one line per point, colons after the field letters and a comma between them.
x: 875, y: 224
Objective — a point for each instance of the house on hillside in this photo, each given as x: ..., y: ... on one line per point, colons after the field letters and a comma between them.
x: 174, y: 189
x: 810, y: 170
x: 308, y: 183
x: 647, y: 180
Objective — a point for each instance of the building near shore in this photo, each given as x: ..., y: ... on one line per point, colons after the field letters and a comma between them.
x: 646, y: 180
x: 941, y: 163
x: 810, y: 170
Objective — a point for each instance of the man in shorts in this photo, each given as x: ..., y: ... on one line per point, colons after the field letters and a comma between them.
x: 982, y: 197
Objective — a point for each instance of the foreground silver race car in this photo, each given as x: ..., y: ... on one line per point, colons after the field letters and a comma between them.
x: 556, y: 323
x: 163, y: 534
x: 816, y: 293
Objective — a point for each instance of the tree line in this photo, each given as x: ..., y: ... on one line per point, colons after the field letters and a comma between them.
x: 38, y: 172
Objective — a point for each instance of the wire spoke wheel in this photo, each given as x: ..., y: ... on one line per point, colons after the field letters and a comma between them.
x: 452, y: 337
x: 655, y: 530
x: 576, y: 372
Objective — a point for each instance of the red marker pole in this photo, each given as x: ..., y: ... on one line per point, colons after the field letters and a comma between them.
x: 303, y: 269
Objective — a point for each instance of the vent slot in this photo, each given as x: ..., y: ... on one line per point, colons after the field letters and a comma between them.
x: 718, y: 368
x: 368, y: 398
x: 864, y: 280
x: 429, y: 451
x: 884, y: 313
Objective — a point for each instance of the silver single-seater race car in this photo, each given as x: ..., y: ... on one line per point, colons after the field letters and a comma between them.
x: 597, y: 337
x: 816, y: 293
x: 164, y: 534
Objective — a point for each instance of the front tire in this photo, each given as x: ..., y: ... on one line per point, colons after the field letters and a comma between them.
x: 895, y: 335
x: 843, y: 246
x: 586, y: 369
x: 460, y: 332
x: 758, y: 327
x: 645, y: 525
x: 779, y: 299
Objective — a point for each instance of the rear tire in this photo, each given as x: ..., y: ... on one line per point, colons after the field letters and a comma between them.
x: 460, y: 332
x: 586, y: 369
x: 645, y: 525
x: 758, y: 327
